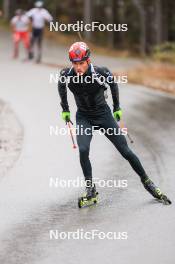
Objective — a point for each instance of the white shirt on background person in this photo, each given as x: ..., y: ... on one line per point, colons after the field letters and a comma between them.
x: 20, y: 23
x: 39, y: 17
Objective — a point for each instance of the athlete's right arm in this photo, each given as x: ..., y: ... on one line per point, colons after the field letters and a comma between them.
x: 30, y: 13
x: 62, y: 90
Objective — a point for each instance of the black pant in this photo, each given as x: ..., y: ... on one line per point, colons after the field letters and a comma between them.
x: 105, y: 121
x: 37, y: 36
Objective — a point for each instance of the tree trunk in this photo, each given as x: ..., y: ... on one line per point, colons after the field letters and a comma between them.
x: 87, y: 14
x: 158, y: 21
x: 110, y: 20
x: 142, y: 14
x: 6, y: 9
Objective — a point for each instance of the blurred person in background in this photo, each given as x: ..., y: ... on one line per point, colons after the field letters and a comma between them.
x: 20, y: 28
x: 39, y: 17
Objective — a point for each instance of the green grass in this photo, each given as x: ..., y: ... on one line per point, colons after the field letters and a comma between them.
x: 4, y: 24
x: 164, y: 52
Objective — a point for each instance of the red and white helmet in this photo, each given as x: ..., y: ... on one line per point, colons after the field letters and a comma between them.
x: 79, y: 51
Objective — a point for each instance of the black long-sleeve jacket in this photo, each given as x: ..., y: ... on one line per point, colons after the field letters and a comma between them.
x: 89, y: 97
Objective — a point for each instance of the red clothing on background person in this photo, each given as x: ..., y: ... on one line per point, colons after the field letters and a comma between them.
x: 20, y: 24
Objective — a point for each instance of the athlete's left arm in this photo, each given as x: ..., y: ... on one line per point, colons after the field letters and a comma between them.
x: 30, y: 13
x: 114, y: 89
x: 48, y: 16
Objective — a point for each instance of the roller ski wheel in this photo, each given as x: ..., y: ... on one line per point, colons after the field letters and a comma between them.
x: 84, y: 201
x: 164, y: 199
x: 156, y: 192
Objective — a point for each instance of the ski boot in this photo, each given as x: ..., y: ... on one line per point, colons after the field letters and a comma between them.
x: 16, y: 53
x: 30, y: 55
x: 89, y: 197
x: 155, y: 191
x: 38, y: 59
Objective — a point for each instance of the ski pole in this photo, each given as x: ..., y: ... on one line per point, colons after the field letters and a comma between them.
x: 128, y: 135
x: 80, y: 36
x: 68, y: 121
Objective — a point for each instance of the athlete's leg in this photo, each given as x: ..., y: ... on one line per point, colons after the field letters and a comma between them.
x: 16, y: 40
x: 26, y: 42
x: 120, y: 143
x: 39, y: 45
x: 32, y: 43
x: 84, y: 136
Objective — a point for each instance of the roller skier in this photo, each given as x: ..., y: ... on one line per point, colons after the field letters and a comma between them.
x: 39, y: 16
x: 93, y: 110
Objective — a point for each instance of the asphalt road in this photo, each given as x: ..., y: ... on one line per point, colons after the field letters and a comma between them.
x: 30, y: 208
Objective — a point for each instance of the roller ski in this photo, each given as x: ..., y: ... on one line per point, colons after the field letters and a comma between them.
x: 90, y: 197
x: 156, y: 192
